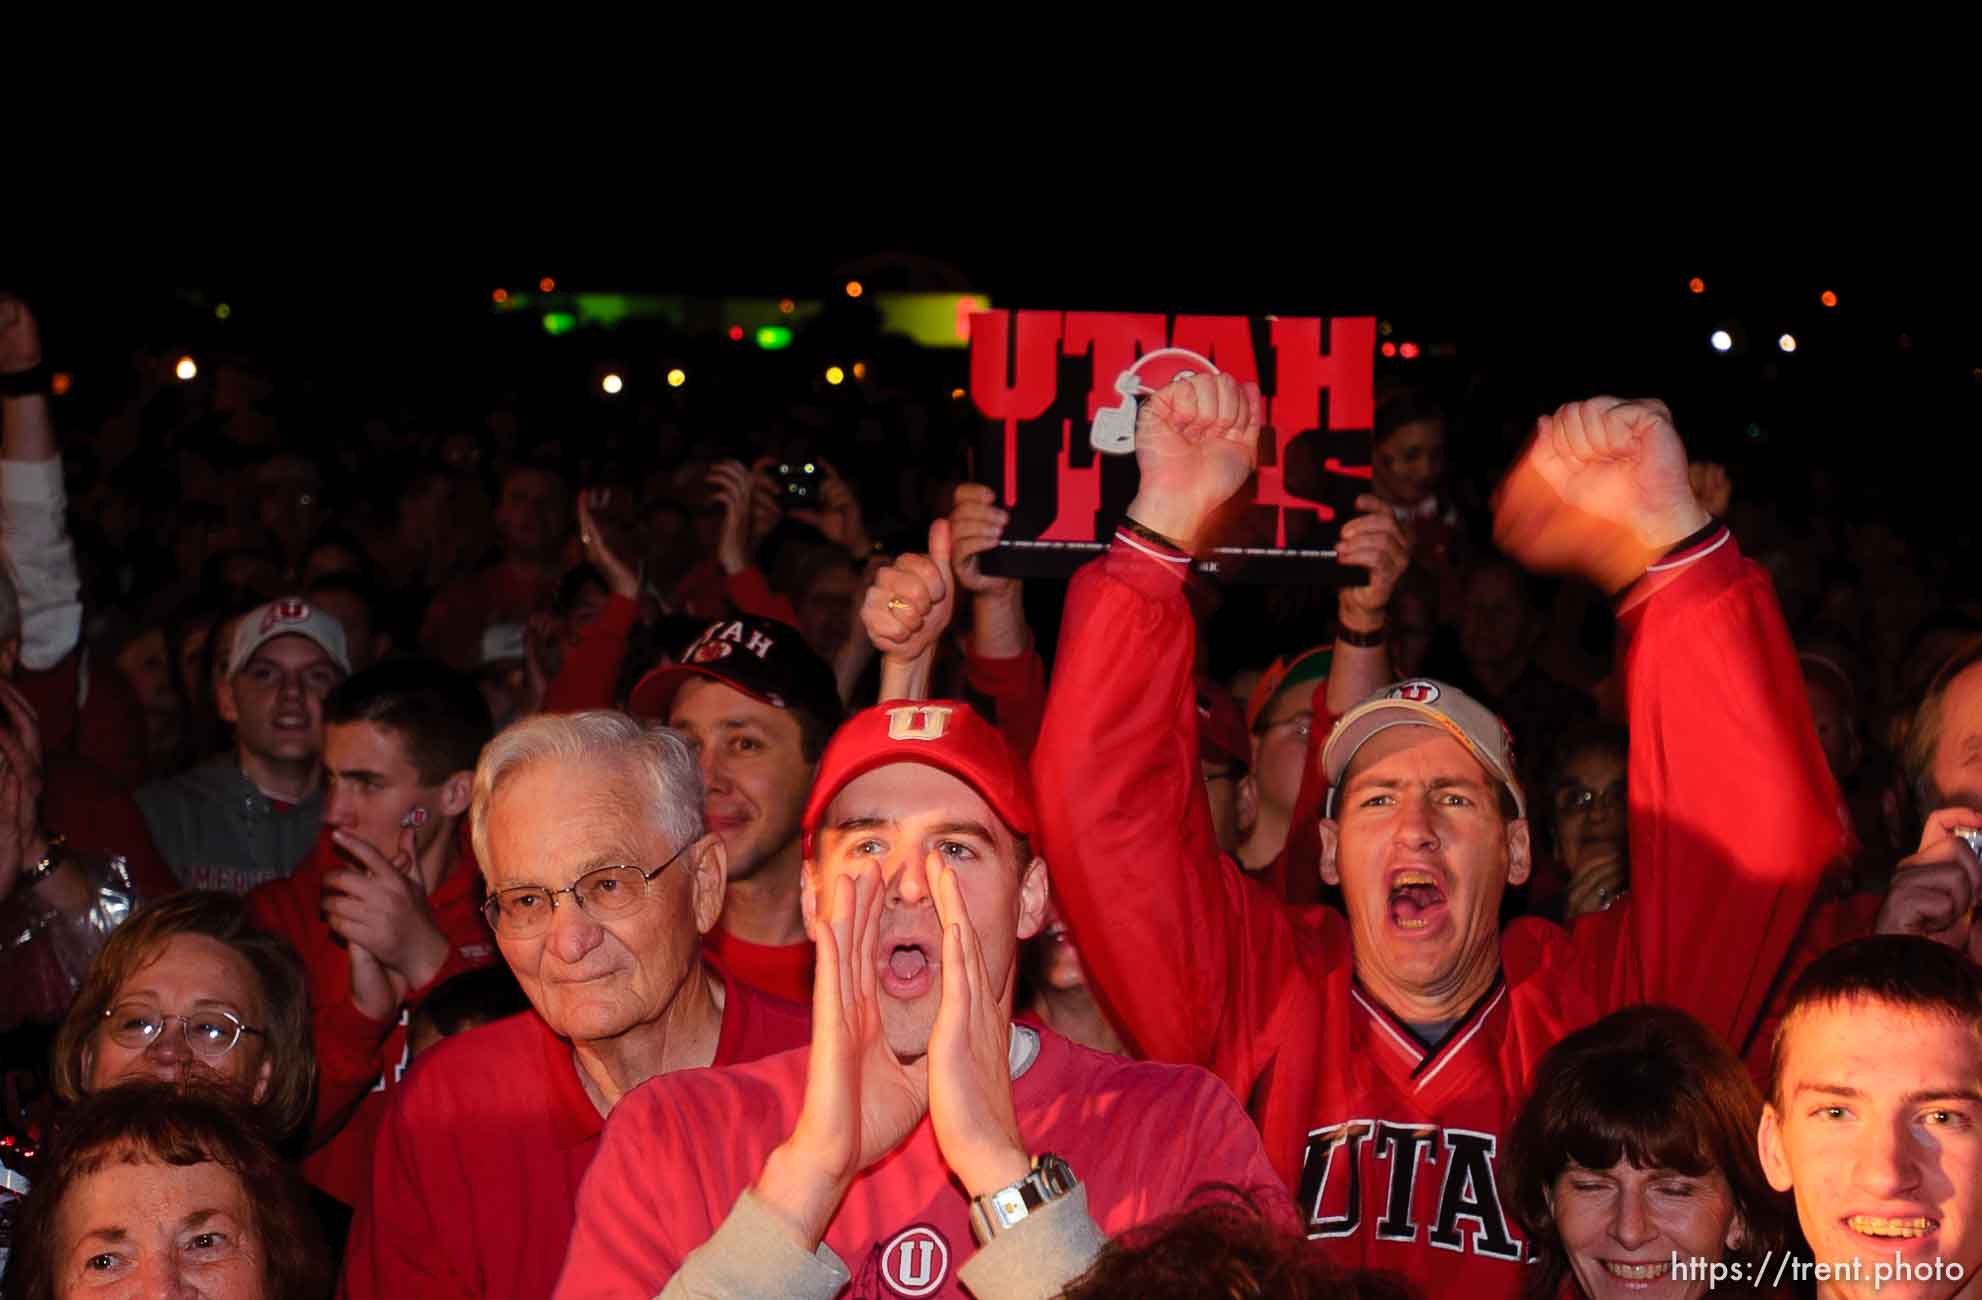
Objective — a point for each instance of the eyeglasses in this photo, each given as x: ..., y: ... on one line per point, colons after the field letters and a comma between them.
x: 209, y: 1034
x: 1302, y: 723
x: 603, y: 892
x: 1581, y: 799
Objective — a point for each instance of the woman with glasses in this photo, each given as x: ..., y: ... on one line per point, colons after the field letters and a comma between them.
x: 1588, y: 823
x: 189, y: 990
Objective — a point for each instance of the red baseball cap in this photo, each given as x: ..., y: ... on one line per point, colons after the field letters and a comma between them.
x: 944, y: 734
x: 1287, y: 672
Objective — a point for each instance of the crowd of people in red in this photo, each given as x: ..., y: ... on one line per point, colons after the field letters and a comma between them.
x: 588, y: 878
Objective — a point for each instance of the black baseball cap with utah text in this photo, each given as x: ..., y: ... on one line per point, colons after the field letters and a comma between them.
x: 765, y: 659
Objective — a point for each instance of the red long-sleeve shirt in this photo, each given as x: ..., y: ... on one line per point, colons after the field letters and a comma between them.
x: 1392, y: 1146
x: 1828, y: 925
x: 360, y: 1060
x: 475, y: 1176
x: 1016, y: 688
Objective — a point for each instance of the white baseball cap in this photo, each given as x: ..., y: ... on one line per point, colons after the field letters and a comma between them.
x: 1422, y: 702
x: 290, y: 616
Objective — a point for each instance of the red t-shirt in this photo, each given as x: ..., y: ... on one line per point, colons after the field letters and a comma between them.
x: 360, y: 1060
x: 475, y: 1176
x: 782, y: 970
x: 680, y: 1149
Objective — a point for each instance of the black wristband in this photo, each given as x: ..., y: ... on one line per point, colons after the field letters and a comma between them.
x: 1692, y: 539
x: 1362, y: 640
x: 1684, y: 544
x: 37, y: 378
x: 1149, y: 534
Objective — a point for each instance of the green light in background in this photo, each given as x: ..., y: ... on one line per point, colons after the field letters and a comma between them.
x: 607, y: 309
x: 773, y: 338
x: 223, y: 311
x: 935, y: 320
x: 559, y: 322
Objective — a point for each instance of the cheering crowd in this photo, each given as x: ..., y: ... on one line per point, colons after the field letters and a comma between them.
x: 458, y: 865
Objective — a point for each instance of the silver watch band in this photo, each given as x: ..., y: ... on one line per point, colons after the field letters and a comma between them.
x: 998, y: 1212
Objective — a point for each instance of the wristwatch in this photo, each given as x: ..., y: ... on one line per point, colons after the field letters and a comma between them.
x: 995, y: 1214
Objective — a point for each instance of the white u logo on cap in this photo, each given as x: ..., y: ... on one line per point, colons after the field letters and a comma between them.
x: 918, y: 722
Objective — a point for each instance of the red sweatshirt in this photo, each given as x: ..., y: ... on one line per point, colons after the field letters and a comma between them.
x: 360, y: 1060
x: 1393, y: 1146
x: 680, y: 1149
x: 475, y: 1177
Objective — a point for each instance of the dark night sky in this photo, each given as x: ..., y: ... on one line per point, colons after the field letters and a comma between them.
x: 1892, y: 379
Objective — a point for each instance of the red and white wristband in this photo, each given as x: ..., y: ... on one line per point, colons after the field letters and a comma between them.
x: 1141, y: 537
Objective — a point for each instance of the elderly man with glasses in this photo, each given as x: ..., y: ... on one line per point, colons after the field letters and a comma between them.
x: 602, y: 880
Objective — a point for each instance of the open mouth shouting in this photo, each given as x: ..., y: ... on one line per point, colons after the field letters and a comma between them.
x: 1417, y: 899
x: 909, y: 966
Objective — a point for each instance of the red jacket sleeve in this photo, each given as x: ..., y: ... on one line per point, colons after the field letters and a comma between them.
x: 1733, y: 813
x: 1827, y: 926
x: 350, y: 1046
x: 1126, y: 832
x: 1017, y: 690
x: 591, y: 667
x: 350, y: 1054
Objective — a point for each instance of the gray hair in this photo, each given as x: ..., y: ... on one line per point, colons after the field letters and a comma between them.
x: 10, y: 604
x: 658, y: 767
